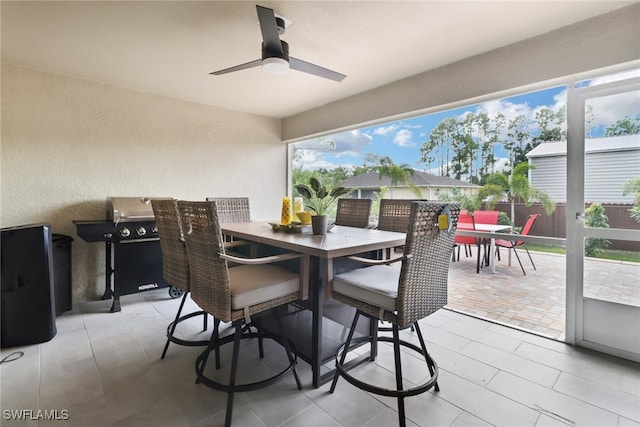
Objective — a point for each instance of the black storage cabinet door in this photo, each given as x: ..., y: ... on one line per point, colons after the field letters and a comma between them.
x: 28, y: 305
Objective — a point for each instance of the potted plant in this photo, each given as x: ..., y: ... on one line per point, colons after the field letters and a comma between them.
x: 318, y: 200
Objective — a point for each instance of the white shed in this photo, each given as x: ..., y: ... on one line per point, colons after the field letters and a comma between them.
x: 609, y: 163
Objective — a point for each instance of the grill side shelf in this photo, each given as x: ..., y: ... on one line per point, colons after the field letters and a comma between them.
x: 95, y: 231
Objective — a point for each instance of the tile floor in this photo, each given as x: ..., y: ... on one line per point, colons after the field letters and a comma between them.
x: 105, y: 370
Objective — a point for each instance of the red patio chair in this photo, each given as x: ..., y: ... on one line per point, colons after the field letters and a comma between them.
x: 512, y: 244
x: 486, y: 217
x: 466, y: 222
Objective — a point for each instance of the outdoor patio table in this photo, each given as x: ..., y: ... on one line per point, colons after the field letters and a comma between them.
x: 324, y: 249
x: 487, y: 231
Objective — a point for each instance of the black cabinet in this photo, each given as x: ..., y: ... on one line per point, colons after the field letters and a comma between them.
x: 28, y: 305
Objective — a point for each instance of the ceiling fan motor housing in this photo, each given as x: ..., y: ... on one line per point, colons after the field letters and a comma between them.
x: 266, y: 53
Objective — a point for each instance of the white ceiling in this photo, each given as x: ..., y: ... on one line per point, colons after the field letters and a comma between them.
x: 169, y: 48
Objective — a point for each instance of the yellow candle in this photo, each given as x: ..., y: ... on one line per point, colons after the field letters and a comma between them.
x: 297, y: 205
x: 286, y: 211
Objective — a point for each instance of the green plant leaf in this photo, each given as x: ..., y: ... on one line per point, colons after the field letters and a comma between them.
x: 304, y: 190
x: 338, y: 191
x: 314, y: 183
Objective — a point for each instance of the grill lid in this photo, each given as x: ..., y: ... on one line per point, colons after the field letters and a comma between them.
x: 128, y: 209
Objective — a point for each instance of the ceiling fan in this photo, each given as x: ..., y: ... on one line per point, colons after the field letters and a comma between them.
x: 275, y: 52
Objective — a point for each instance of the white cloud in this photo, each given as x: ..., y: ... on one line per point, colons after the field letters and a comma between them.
x: 386, y: 130
x: 403, y: 138
x: 609, y: 109
x: 312, y: 154
x: 352, y: 143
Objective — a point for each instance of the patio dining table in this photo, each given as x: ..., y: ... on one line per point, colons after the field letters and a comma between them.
x: 487, y: 231
x: 324, y: 249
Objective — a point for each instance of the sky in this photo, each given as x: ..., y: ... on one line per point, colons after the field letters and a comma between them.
x: 401, y: 140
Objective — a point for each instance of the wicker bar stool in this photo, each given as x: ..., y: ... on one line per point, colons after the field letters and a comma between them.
x: 234, y: 210
x: 175, y: 266
x: 353, y: 212
x: 401, y: 296
x: 237, y: 294
x: 393, y: 215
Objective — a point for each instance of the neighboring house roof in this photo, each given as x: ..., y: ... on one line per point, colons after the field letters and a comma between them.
x: 419, y: 179
x: 598, y: 145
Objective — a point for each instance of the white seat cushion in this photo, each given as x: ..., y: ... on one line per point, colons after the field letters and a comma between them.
x: 254, y: 284
x: 376, y: 285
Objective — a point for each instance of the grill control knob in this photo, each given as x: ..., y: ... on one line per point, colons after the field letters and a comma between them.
x: 154, y: 230
x: 125, y: 232
x: 141, y: 231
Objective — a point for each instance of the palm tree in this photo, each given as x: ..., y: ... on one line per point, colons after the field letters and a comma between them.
x: 514, y: 186
x: 398, y: 174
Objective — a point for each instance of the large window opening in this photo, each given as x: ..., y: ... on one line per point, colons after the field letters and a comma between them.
x: 508, y: 155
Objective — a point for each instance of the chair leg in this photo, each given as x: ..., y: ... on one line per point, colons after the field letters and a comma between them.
x: 478, y: 261
x: 343, y: 356
x: 396, y: 352
x: 216, y: 332
x: 530, y: 259
x: 427, y: 357
x: 213, y: 344
x: 373, y: 333
x: 260, y: 341
x: 518, y: 258
x: 205, y: 321
x: 174, y: 324
x: 287, y: 347
x: 234, y: 369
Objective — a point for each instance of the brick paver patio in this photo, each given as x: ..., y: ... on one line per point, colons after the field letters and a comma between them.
x: 536, y: 302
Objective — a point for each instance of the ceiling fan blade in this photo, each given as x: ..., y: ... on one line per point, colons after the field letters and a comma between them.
x: 238, y: 67
x: 269, y: 29
x: 307, y: 67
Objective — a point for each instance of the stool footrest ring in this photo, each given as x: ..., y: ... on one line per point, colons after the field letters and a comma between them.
x: 202, y: 378
x: 181, y: 341
x: 385, y: 391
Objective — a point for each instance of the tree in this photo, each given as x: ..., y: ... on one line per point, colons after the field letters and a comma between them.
x: 633, y: 187
x: 626, y: 126
x: 467, y: 202
x: 518, y: 137
x: 439, y: 145
x: 551, y: 124
x: 398, y: 174
x: 514, y: 186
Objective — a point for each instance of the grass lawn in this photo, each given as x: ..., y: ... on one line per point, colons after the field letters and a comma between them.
x: 628, y: 256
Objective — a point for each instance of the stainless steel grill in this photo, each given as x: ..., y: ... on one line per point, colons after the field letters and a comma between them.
x: 133, y: 255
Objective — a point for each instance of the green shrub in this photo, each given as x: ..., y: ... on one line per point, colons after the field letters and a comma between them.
x: 596, y: 218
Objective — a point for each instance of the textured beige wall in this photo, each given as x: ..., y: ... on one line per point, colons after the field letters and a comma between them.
x: 68, y: 143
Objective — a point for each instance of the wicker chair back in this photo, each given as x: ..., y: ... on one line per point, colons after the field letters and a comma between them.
x: 393, y: 215
x: 209, y: 273
x: 353, y: 212
x: 422, y: 288
x: 175, y: 263
x: 232, y: 209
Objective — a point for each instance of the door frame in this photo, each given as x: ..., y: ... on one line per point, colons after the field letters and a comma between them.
x: 592, y: 323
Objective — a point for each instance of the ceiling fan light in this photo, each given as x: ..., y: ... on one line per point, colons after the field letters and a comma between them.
x: 275, y: 65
